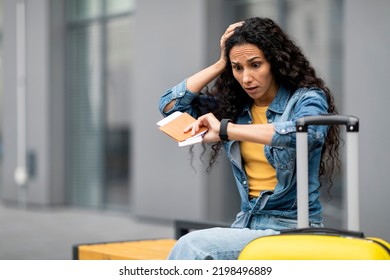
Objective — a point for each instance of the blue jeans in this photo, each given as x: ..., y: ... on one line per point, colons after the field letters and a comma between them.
x: 226, y: 243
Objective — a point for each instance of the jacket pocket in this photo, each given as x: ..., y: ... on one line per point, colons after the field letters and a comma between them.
x: 283, y: 158
x: 284, y: 222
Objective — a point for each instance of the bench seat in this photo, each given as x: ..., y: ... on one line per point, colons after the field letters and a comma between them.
x: 151, y: 249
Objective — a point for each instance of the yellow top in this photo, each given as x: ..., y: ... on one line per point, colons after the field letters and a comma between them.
x: 261, y: 175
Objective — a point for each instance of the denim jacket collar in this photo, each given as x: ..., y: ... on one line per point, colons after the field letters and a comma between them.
x: 280, y: 101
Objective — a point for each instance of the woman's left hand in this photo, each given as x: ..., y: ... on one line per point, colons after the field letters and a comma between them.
x: 212, y: 124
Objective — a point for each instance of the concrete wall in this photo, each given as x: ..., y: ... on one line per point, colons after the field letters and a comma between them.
x: 171, y: 43
x: 44, y: 109
x: 366, y: 95
x: 164, y: 184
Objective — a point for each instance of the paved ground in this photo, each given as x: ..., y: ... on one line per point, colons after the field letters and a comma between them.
x: 49, y: 234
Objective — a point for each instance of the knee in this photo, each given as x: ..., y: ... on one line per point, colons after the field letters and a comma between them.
x: 190, y: 247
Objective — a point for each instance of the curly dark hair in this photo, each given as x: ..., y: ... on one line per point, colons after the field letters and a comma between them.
x: 290, y: 69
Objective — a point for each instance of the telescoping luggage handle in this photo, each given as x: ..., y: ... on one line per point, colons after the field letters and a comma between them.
x: 352, y: 127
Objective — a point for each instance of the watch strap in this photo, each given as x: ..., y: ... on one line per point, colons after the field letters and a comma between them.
x: 223, y: 130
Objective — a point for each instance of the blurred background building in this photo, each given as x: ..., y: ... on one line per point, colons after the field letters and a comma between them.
x: 81, y: 82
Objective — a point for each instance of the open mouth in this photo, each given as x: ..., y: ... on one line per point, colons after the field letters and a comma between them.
x: 250, y: 89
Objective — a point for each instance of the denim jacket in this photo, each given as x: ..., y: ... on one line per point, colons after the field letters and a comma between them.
x: 285, y: 109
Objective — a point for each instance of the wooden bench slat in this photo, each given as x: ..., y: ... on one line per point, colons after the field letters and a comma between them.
x: 157, y: 249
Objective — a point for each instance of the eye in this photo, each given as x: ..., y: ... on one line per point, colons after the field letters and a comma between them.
x: 256, y: 64
x: 236, y: 67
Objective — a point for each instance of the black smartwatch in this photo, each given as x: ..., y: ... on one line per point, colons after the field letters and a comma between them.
x: 223, y: 129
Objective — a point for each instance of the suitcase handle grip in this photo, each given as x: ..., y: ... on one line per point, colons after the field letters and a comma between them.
x: 351, y: 122
x: 325, y: 231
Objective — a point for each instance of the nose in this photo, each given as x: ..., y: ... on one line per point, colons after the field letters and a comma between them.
x: 247, y: 77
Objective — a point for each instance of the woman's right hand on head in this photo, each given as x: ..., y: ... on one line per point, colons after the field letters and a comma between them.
x: 229, y: 32
x: 199, y: 80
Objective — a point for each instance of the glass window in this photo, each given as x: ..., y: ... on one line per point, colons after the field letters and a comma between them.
x: 84, y: 114
x: 79, y: 10
x: 98, y: 63
x: 117, y: 119
x: 118, y: 6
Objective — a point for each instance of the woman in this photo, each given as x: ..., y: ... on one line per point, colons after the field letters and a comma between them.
x: 263, y: 84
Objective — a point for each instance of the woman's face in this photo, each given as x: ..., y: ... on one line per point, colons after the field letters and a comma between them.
x: 253, y: 72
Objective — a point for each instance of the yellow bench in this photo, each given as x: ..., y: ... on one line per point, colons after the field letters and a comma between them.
x: 157, y: 249
x: 150, y: 249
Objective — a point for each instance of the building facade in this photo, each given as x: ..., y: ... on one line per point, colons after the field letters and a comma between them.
x: 81, y: 81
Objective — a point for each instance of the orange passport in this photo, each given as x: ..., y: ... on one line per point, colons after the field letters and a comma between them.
x: 174, y: 124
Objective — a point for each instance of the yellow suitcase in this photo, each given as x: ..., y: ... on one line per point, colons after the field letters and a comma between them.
x: 316, y: 244
x: 307, y: 243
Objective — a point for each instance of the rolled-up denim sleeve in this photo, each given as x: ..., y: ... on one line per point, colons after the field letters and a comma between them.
x: 284, y: 135
x: 182, y: 96
x: 312, y: 103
